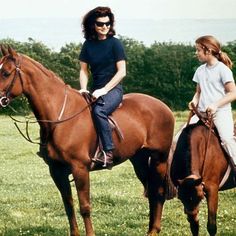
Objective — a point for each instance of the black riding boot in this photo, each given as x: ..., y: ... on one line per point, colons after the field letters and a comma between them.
x: 104, y: 159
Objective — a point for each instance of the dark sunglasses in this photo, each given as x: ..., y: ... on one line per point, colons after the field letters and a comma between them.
x: 101, y: 24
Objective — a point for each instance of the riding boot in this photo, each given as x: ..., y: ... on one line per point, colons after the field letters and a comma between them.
x: 104, y: 158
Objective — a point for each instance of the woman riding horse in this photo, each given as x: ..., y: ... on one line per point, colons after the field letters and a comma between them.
x: 105, y: 56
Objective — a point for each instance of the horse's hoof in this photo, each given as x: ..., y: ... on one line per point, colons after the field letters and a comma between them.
x: 152, y: 234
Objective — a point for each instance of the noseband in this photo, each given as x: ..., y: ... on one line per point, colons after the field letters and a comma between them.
x: 5, y: 95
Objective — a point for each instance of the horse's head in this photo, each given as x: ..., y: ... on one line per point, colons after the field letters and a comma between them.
x: 191, y: 192
x: 10, y: 77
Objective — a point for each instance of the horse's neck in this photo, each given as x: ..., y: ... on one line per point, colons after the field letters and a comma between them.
x: 198, y: 152
x: 45, y: 105
x: 45, y: 93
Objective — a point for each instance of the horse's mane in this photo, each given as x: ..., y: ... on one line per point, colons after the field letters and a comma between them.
x: 181, y: 164
x: 43, y: 69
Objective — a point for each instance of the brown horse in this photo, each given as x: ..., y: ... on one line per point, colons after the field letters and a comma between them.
x: 198, y: 167
x: 146, y: 123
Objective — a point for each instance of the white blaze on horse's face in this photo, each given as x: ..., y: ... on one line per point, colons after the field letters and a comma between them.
x: 1, y: 66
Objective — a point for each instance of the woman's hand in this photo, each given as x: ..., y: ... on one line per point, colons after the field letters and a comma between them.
x: 211, y: 109
x: 83, y: 91
x: 99, y: 92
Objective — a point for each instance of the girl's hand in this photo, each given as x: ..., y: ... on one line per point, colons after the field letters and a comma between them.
x: 211, y: 109
x: 190, y: 105
x: 99, y: 92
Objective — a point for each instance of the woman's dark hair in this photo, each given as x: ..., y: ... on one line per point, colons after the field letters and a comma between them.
x: 88, y: 23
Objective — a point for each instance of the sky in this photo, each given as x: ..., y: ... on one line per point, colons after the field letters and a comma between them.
x: 123, y: 9
x: 143, y: 20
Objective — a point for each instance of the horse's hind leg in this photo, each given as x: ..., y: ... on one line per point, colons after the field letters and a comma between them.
x: 60, y: 176
x: 156, y: 190
x: 140, y: 164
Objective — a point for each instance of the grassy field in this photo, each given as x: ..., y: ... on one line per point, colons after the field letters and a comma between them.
x: 30, y: 203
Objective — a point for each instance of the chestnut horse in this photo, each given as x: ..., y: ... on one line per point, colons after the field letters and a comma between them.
x: 198, y: 167
x: 146, y: 123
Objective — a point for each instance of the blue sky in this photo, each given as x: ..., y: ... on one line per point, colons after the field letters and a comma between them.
x: 124, y: 9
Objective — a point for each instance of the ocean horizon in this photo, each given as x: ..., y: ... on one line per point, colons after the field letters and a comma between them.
x: 57, y: 32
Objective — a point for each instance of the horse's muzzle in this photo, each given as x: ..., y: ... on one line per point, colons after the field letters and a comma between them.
x: 191, y: 212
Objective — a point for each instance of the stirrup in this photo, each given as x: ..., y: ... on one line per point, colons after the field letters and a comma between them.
x: 105, y: 159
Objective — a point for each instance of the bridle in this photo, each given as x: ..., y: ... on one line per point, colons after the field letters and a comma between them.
x: 5, y: 95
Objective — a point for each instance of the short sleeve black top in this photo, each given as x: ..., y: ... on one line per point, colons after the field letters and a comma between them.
x: 102, y: 56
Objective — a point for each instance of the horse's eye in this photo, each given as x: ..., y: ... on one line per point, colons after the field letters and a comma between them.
x: 5, y: 74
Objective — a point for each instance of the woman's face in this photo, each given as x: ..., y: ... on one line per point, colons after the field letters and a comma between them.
x: 102, y: 26
x: 200, y: 53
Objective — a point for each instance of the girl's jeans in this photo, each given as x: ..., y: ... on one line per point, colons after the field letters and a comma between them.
x: 223, y: 120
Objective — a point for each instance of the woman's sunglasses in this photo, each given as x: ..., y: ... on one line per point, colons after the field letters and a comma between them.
x: 101, y: 24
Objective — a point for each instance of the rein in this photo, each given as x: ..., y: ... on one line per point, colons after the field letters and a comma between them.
x: 208, y: 122
x: 59, y: 121
x: 205, y: 120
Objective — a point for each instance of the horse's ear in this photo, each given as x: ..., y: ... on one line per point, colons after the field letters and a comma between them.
x: 180, y: 181
x: 11, y: 51
x: 4, y: 50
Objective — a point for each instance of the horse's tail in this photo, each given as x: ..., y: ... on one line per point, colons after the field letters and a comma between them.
x: 170, y: 191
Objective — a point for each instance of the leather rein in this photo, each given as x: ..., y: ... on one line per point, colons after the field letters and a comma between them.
x: 208, y: 122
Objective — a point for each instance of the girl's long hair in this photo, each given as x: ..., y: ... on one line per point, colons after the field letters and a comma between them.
x: 211, y: 44
x: 88, y: 23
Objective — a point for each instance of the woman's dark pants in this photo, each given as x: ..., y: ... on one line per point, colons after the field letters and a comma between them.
x: 103, y: 107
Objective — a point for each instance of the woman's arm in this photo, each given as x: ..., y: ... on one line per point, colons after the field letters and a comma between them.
x: 83, y: 77
x: 120, y: 74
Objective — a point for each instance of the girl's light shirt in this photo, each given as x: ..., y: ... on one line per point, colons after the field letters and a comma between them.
x: 211, y: 80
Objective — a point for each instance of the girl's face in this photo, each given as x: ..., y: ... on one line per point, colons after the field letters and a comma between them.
x: 102, y: 27
x: 200, y: 53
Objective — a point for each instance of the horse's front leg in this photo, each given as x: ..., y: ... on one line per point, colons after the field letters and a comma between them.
x: 156, y: 192
x: 212, y: 204
x: 194, y: 223
x: 81, y: 177
x: 60, y: 176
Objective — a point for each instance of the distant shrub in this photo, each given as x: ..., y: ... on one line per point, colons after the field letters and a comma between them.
x: 163, y: 70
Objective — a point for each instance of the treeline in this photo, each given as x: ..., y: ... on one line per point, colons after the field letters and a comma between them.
x: 163, y: 70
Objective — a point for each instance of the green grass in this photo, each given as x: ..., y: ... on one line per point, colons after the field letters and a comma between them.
x: 31, y: 205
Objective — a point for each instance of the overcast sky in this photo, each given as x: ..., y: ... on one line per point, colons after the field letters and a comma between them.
x: 125, y: 9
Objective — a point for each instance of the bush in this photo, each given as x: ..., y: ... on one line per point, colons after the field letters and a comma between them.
x: 163, y: 70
